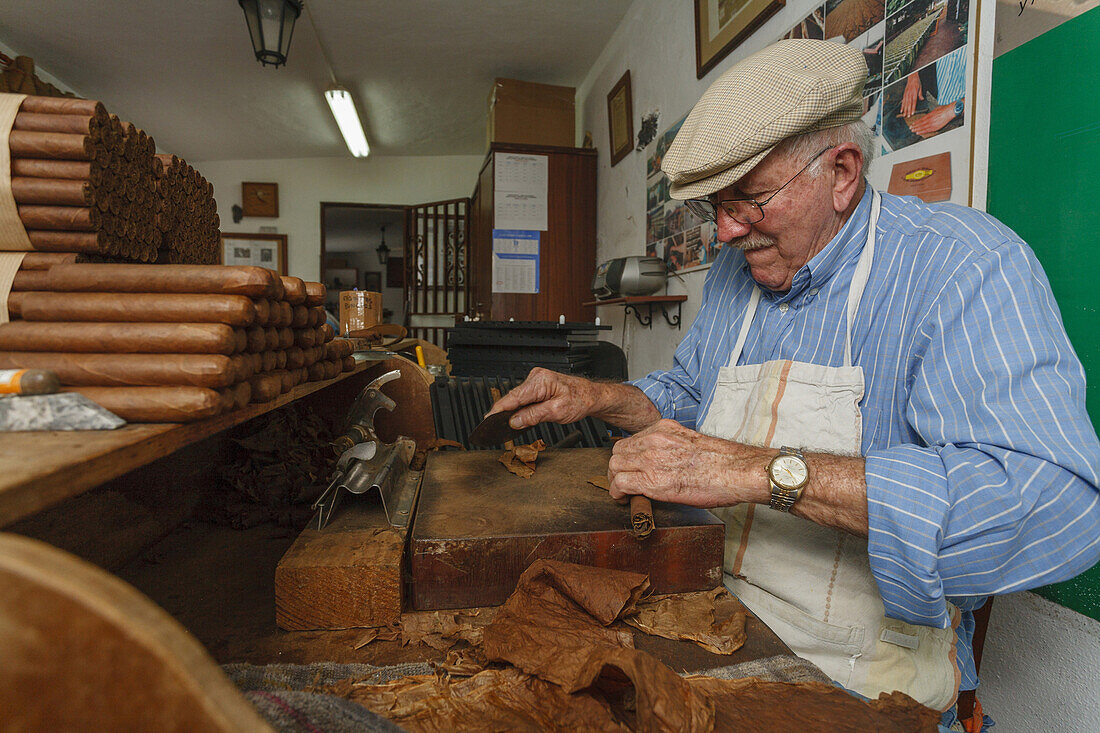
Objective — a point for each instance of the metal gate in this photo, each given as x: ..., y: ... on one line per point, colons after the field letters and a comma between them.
x: 437, y: 267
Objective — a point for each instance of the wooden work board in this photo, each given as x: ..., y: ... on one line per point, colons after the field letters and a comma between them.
x: 478, y: 527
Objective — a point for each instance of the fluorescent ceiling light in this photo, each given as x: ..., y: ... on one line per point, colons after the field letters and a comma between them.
x: 343, y: 109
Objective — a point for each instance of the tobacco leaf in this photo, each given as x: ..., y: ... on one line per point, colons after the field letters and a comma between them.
x: 600, y: 482
x: 713, y: 619
x: 520, y: 460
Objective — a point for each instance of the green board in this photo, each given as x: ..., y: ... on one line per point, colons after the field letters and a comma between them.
x: 1044, y: 182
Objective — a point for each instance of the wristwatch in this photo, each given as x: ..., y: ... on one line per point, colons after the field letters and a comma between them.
x: 788, y: 476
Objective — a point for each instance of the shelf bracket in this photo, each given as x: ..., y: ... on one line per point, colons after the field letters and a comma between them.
x: 646, y: 320
x: 672, y: 320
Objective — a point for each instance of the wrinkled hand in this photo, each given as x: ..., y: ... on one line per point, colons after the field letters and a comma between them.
x: 934, y: 121
x: 547, y: 396
x: 911, y: 95
x: 669, y: 462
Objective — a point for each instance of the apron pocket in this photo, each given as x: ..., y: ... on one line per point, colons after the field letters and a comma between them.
x: 833, y: 648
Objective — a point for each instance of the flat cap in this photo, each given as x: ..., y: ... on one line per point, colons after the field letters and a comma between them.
x: 791, y: 87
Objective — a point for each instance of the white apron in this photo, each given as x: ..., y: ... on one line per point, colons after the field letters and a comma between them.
x: 810, y: 584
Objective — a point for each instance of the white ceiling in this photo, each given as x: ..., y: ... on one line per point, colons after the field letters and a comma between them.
x: 420, y: 70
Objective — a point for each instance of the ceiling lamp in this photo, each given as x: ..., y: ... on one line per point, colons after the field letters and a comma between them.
x: 343, y: 109
x: 270, y: 23
x: 382, y: 250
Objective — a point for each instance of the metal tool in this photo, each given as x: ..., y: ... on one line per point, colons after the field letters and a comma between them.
x: 494, y: 430
x: 367, y: 464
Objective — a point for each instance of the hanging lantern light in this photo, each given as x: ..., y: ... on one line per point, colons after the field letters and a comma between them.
x: 382, y: 250
x: 271, y: 23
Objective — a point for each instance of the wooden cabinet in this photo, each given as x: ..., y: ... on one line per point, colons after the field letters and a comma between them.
x: 567, y: 249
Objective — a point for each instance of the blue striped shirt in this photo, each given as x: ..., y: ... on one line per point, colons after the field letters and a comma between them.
x: 981, y: 462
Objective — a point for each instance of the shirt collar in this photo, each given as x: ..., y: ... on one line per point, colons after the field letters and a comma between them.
x: 845, y: 246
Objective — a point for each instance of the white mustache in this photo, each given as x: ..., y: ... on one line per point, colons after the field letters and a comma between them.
x: 752, y: 240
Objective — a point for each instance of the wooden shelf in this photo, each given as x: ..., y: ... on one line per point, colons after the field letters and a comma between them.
x: 630, y: 303
x: 40, y: 469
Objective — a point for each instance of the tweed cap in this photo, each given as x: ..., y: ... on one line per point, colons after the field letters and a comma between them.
x: 791, y: 87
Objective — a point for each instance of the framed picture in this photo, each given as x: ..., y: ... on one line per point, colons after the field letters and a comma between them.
x: 260, y: 250
x: 372, y: 281
x: 341, y: 278
x: 395, y: 272
x: 260, y: 199
x: 620, y: 119
x: 721, y: 26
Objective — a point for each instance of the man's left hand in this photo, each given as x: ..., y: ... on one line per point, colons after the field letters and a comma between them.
x: 668, y: 462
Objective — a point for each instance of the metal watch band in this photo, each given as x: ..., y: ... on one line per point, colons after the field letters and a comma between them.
x: 783, y: 499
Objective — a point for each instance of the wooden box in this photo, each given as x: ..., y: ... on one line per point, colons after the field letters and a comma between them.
x: 478, y: 527
x: 532, y: 114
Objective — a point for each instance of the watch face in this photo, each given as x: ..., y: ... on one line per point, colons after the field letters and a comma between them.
x: 788, y: 471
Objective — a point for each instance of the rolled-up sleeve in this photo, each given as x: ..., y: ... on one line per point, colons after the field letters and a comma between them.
x: 999, y: 493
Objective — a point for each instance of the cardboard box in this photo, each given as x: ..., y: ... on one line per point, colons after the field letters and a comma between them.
x: 359, y: 309
x: 532, y: 114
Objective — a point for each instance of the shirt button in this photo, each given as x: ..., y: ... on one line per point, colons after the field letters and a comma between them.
x: 813, y: 291
x: 783, y: 307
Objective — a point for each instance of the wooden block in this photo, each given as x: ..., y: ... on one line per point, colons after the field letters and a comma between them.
x: 478, y: 527
x: 346, y: 575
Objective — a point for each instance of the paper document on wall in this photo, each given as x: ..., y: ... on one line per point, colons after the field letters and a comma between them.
x: 520, y: 185
x: 515, y: 261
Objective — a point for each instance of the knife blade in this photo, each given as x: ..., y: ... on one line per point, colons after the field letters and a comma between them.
x: 494, y: 430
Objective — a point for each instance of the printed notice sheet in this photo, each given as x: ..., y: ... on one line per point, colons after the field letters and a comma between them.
x: 515, y: 261
x: 520, y: 183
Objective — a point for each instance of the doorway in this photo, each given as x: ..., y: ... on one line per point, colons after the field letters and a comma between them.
x: 362, y: 248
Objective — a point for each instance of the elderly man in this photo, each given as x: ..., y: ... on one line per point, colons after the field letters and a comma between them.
x: 891, y: 378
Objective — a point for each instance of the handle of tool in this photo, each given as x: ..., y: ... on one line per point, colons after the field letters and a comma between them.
x: 420, y: 356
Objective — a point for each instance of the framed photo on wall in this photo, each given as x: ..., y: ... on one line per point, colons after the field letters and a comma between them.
x: 372, y: 281
x: 260, y: 250
x: 620, y: 119
x: 721, y: 26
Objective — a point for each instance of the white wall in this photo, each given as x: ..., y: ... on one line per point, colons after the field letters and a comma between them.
x: 1041, y: 661
x: 359, y: 250
x: 305, y: 182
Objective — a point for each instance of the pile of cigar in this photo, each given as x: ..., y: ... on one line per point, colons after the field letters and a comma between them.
x: 169, y: 343
x: 83, y: 180
x: 187, y: 215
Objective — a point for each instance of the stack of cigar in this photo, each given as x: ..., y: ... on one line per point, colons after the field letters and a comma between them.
x: 83, y: 181
x: 187, y: 215
x: 169, y: 343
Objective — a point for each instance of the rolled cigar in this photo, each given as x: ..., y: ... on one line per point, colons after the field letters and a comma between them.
x: 315, y: 294
x: 286, y: 338
x: 328, y: 333
x: 286, y: 380
x: 206, y: 279
x: 280, y: 359
x: 300, y: 317
x: 107, y: 370
x: 316, y: 371
x: 257, y: 339
x: 305, y: 338
x: 62, y: 106
x: 316, y: 353
x: 271, y: 338
x: 242, y: 363
x: 242, y: 393
x: 240, y: 340
x: 81, y: 242
x: 263, y: 311
x: 46, y: 260
x: 54, y: 192
x: 332, y: 368
x: 265, y: 387
x: 286, y: 314
x: 269, y: 361
x: 154, y: 404
x: 641, y: 516
x: 73, y: 124
x: 232, y: 310
x: 348, y: 363
x: 119, y: 338
x: 30, y: 280
x: 257, y: 361
x: 68, y: 218
x: 295, y: 357
x: 41, y: 168
x: 295, y: 289
x: 228, y: 400
x: 56, y: 146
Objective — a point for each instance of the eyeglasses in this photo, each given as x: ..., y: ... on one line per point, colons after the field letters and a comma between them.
x: 744, y: 210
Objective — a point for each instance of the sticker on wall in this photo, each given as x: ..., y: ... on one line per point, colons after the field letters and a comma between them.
x: 927, y: 178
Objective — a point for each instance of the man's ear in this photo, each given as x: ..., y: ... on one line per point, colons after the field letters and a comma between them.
x: 847, y: 162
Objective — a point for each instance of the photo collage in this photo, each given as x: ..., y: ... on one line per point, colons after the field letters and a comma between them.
x: 916, y: 53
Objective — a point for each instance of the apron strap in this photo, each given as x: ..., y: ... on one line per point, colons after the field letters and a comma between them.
x: 750, y: 313
x: 861, y: 274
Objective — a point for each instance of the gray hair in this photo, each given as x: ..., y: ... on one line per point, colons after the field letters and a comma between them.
x: 809, y: 144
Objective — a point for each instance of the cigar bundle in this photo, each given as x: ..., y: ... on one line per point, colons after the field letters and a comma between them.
x: 19, y: 77
x: 83, y: 180
x: 169, y: 343
x: 187, y: 215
